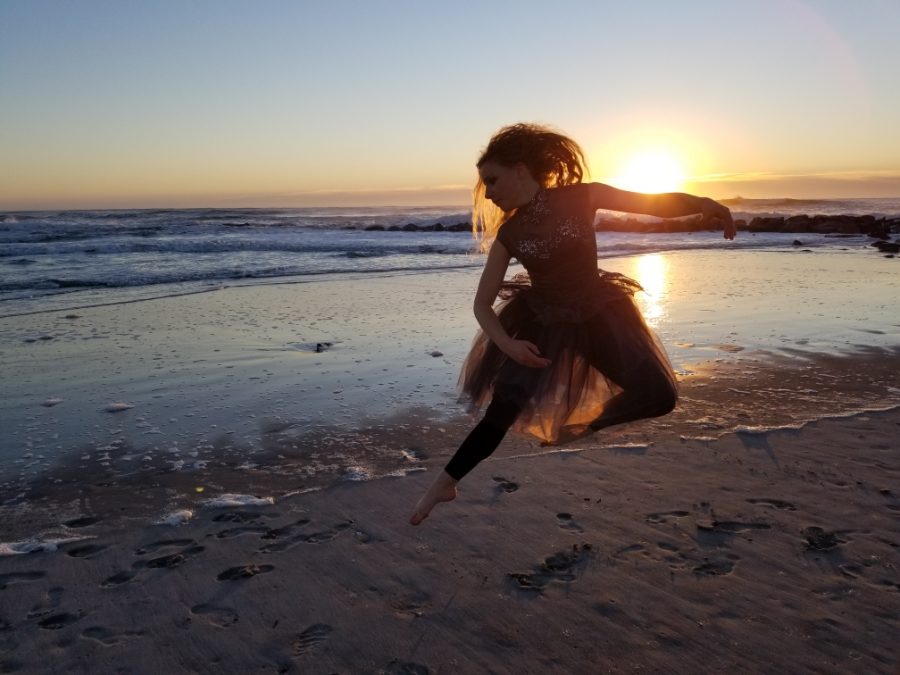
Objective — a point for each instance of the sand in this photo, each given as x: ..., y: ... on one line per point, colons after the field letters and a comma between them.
x: 767, y: 553
x: 754, y: 530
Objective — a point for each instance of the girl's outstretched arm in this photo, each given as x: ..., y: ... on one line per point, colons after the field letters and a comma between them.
x: 492, y: 276
x: 664, y: 205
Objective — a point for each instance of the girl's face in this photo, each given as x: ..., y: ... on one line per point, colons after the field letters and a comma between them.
x: 509, y: 187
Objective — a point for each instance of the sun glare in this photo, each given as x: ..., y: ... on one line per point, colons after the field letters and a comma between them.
x: 652, y: 272
x: 651, y: 171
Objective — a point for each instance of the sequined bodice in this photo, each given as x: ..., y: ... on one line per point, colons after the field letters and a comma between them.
x: 553, y: 237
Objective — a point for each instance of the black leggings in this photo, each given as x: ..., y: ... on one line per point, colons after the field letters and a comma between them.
x: 625, y: 407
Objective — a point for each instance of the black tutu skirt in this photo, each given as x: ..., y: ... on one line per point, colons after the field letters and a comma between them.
x: 600, y: 349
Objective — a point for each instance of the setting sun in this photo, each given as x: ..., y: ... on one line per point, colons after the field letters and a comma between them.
x: 651, y: 171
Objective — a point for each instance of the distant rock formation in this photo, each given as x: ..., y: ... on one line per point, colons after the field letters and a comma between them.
x: 412, y: 227
x: 880, y: 228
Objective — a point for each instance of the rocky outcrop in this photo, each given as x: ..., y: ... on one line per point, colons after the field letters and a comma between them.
x: 887, y: 246
x: 412, y: 227
x: 880, y: 228
x: 876, y: 227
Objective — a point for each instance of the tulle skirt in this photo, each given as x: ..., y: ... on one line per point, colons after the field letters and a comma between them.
x: 610, y: 358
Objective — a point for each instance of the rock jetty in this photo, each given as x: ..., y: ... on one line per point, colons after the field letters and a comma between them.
x: 880, y: 228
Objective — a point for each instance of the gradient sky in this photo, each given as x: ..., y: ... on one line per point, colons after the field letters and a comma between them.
x: 217, y: 103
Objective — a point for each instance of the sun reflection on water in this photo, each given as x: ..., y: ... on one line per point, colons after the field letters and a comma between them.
x: 651, y: 272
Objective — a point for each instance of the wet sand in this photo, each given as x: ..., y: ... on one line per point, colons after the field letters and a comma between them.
x: 755, y: 529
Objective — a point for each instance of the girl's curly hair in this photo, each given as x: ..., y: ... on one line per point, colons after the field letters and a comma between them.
x: 552, y: 158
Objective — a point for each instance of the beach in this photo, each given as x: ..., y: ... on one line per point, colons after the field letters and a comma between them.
x: 219, y: 481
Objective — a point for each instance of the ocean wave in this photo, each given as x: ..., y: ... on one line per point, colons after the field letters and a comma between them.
x: 461, y: 244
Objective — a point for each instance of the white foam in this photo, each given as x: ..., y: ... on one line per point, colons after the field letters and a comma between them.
x: 542, y: 453
x: 629, y: 446
x: 176, y: 518
x: 357, y: 473
x: 35, y: 545
x: 229, y: 500
x: 762, y: 430
x: 399, y: 473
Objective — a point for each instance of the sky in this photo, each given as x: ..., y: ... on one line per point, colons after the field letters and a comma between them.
x: 216, y: 103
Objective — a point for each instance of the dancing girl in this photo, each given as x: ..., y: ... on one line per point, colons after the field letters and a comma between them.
x: 566, y: 351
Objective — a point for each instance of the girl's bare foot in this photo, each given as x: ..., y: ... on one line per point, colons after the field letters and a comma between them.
x: 442, y: 490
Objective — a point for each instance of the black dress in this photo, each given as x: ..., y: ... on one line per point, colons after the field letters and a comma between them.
x: 607, y: 366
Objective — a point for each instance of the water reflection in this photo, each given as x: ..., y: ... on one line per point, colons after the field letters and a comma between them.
x: 651, y: 272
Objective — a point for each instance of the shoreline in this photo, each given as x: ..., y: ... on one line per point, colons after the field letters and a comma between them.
x: 133, y: 480
x: 313, y: 382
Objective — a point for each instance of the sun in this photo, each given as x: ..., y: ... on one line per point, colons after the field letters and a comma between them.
x: 651, y: 171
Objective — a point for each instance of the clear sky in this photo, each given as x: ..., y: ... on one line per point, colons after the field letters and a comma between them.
x: 329, y: 102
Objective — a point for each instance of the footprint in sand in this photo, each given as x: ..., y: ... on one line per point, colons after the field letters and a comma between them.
x: 107, y: 637
x: 729, y: 527
x: 223, y: 617
x: 310, y: 538
x: 673, y: 556
x: 169, y: 561
x: 84, y: 521
x: 325, y: 535
x: 820, y: 541
x: 364, y: 537
x: 665, y: 516
x: 58, y: 621
x: 244, y: 572
x: 118, y: 578
x: 561, y: 566
x: 19, y: 577
x: 505, y: 485
x: 565, y: 522
x: 774, y: 503
x: 715, y: 568
x: 174, y: 559
x: 165, y: 543
x: 237, y: 517
x: 279, y: 532
x: 311, y: 638
x: 86, y: 551
x: 410, y: 604
x: 243, y: 529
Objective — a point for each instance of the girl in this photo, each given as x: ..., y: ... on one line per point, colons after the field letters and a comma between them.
x: 566, y: 352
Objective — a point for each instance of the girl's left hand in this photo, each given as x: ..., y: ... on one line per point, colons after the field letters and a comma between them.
x: 714, y: 213
x: 526, y: 353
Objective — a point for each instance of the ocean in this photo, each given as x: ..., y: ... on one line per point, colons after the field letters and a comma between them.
x: 58, y: 260
x: 183, y: 355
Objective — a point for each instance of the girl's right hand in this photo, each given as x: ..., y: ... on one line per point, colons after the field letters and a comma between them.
x: 526, y: 353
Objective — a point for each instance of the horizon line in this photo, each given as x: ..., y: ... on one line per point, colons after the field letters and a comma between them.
x: 464, y: 207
